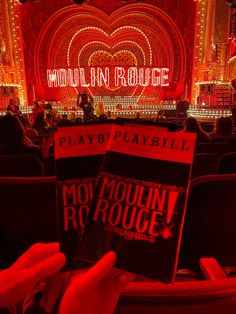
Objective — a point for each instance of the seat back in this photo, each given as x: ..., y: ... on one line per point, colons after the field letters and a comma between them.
x: 49, y: 165
x: 209, y: 227
x: 227, y: 163
x: 20, y: 166
x: 204, y: 164
x: 219, y: 148
x: 27, y: 215
x: 230, y: 139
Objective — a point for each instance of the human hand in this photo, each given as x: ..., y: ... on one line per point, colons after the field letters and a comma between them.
x: 97, y: 290
x: 36, y: 264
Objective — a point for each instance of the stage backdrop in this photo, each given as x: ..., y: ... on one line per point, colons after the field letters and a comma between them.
x: 58, y: 34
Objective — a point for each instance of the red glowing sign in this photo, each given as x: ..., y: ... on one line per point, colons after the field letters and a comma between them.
x: 108, y: 76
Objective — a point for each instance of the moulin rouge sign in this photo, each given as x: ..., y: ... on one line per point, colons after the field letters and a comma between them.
x: 108, y: 77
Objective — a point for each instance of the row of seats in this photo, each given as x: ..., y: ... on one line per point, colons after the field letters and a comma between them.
x: 209, y: 228
x: 217, y: 148
x: 31, y: 166
x: 28, y: 215
x: 26, y: 166
x: 208, y: 163
x: 205, y: 162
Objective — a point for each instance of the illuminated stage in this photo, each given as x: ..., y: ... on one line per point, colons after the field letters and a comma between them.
x: 134, y: 35
x: 197, y: 53
x: 144, y: 112
x: 208, y: 114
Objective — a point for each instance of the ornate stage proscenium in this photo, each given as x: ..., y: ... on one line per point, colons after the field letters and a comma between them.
x: 194, y: 39
x: 139, y: 36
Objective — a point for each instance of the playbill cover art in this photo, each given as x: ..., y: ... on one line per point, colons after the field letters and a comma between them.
x: 139, y: 201
x: 79, y: 151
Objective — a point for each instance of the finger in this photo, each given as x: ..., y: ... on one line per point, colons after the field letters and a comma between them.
x: 45, y: 268
x: 102, y: 267
x: 29, y: 299
x: 35, y: 254
x: 27, y: 305
x: 38, y: 288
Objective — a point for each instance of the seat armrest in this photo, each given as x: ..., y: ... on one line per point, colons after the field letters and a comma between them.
x: 212, y: 269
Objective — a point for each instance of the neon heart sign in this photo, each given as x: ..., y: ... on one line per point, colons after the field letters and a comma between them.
x: 115, y: 45
x: 137, y: 36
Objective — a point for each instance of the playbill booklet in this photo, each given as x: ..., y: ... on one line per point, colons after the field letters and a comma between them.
x: 139, y: 201
x: 79, y: 152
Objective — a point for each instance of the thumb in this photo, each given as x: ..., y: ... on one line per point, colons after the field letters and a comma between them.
x: 102, y: 267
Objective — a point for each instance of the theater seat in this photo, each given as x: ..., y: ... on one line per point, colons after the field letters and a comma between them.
x: 20, y: 166
x: 49, y: 165
x: 204, y: 164
x: 231, y: 139
x: 10, y: 310
x: 227, y: 163
x: 209, y: 227
x: 27, y: 215
x: 218, y: 148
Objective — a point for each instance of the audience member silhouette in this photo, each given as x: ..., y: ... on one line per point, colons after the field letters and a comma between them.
x: 50, y: 120
x: 223, y: 128
x: 64, y: 121
x: 29, y: 132
x: 40, y: 122
x: 13, y: 139
x: 191, y: 125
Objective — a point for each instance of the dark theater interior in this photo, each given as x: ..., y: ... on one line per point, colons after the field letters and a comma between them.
x: 117, y: 156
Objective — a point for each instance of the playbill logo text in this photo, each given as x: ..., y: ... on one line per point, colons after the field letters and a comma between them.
x: 108, y: 77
